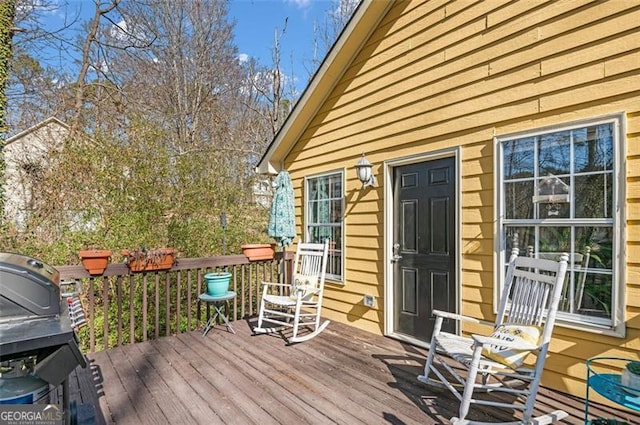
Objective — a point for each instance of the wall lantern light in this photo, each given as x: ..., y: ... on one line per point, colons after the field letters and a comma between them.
x: 365, y: 173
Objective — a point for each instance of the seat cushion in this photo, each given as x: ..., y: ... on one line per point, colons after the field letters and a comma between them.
x: 306, y: 282
x: 460, y: 349
x: 511, y: 357
x: 284, y: 301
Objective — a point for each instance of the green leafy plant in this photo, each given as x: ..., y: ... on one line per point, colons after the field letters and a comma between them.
x: 141, y: 259
x: 603, y: 421
x: 634, y: 367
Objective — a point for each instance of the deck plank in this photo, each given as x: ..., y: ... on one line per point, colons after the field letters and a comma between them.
x: 225, y: 411
x: 132, y: 380
x: 121, y: 408
x: 179, y: 385
x: 222, y: 373
x: 271, y: 370
x: 141, y: 356
x: 344, y: 376
x: 277, y: 367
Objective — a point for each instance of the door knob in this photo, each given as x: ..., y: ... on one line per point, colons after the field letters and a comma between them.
x: 396, y: 253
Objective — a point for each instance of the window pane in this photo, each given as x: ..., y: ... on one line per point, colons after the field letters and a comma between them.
x: 554, y: 239
x: 335, y: 188
x: 517, y: 197
x: 319, y: 233
x: 597, y: 243
x: 554, y: 154
x: 518, y: 158
x: 593, y: 148
x: 325, y: 217
x: 593, y: 195
x: 336, y: 211
x: 524, y: 237
x: 594, y: 295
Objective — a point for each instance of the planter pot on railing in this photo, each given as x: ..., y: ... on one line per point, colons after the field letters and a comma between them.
x: 217, y: 283
x: 258, y: 251
x: 140, y: 260
x: 95, y: 260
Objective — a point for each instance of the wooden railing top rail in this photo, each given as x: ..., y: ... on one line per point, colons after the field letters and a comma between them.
x: 121, y: 269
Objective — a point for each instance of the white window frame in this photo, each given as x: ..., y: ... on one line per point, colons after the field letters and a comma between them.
x: 333, y: 173
x: 615, y: 325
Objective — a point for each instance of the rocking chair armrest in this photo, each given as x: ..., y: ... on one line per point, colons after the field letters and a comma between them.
x: 455, y: 316
x: 283, y: 285
x: 517, y: 345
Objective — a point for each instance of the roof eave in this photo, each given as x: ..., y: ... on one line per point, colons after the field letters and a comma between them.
x: 35, y: 127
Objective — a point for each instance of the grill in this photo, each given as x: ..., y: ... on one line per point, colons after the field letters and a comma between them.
x: 37, y: 337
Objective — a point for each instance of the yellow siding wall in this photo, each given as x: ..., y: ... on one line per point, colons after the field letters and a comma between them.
x: 437, y: 74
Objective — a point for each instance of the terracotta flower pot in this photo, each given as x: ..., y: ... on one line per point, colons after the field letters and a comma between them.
x: 149, y: 260
x: 258, y: 252
x: 95, y: 260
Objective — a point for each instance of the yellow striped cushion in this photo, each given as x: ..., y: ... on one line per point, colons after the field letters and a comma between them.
x: 509, y: 356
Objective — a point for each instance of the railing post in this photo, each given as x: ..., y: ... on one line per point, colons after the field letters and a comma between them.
x: 92, y: 316
x: 167, y: 307
x: 132, y: 306
x: 145, y: 307
x: 178, y: 301
x: 189, y: 302
x: 156, y: 325
x: 119, y: 306
x: 105, y: 312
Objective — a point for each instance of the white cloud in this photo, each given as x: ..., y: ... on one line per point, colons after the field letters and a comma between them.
x: 119, y: 31
x: 302, y: 4
x: 243, y: 58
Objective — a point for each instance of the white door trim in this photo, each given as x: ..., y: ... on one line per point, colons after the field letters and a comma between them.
x: 388, y: 167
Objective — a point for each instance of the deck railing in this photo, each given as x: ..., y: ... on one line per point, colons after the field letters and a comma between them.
x: 123, y: 307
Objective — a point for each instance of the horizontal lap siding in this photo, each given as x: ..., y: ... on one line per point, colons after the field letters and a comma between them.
x: 438, y: 74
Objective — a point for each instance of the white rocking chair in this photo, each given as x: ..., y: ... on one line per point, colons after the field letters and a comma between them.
x: 298, y: 304
x: 495, y: 363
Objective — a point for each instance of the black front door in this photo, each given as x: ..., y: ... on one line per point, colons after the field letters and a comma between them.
x: 424, y: 245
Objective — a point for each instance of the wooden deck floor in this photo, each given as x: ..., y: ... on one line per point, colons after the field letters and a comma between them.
x: 344, y: 376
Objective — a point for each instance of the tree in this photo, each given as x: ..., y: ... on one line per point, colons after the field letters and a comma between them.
x: 7, y: 15
x: 327, y: 32
x: 167, y: 137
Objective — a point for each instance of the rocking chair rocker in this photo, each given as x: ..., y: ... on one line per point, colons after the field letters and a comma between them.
x: 297, y: 304
x: 523, y: 326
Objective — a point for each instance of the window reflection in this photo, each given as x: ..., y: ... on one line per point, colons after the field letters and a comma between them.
x: 325, y: 206
x: 582, y: 160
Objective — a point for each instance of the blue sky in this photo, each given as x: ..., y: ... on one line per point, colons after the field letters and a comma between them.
x: 256, y: 21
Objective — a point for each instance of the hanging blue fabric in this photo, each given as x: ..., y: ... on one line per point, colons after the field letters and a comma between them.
x: 323, y: 230
x: 282, y: 222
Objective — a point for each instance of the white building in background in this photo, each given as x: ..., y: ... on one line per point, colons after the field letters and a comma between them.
x: 27, y: 155
x: 263, y: 192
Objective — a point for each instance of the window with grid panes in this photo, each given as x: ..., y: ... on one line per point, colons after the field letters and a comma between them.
x: 581, y: 162
x: 324, y: 202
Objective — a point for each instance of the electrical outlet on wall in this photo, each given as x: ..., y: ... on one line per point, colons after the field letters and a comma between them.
x: 369, y: 300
